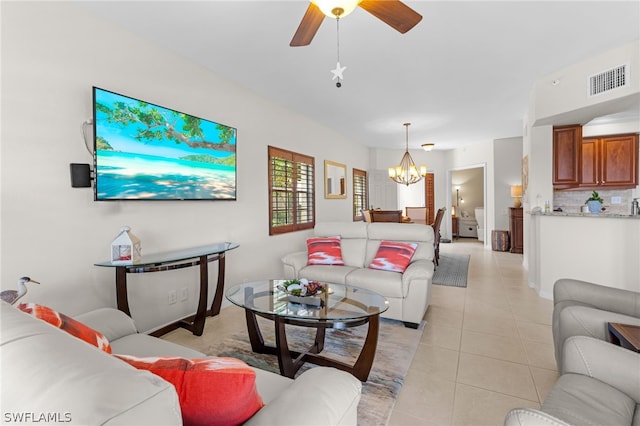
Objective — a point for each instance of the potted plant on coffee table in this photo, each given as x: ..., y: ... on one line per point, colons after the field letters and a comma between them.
x: 595, y: 203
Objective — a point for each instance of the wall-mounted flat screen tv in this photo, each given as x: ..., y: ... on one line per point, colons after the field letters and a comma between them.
x: 144, y: 151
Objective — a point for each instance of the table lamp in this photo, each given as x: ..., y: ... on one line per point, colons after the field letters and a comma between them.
x: 516, y: 193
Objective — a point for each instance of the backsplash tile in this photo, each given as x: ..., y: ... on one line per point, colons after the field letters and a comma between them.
x: 572, y: 201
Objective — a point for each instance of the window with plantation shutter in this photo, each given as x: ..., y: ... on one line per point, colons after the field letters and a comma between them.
x: 360, y: 193
x: 292, y: 191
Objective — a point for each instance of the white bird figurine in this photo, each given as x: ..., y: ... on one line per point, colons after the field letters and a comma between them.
x: 12, y: 296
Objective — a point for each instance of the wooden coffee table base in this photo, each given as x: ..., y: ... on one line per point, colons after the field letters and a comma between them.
x: 291, y: 361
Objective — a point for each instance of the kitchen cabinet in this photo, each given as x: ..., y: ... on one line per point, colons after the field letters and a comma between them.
x: 610, y: 162
x: 567, y: 160
x: 516, y: 227
x: 593, y: 162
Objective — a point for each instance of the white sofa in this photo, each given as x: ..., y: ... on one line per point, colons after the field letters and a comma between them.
x: 408, y: 293
x: 47, y: 371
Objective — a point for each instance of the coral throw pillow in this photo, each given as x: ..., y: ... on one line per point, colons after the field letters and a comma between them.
x: 212, y: 391
x: 324, y: 251
x: 68, y: 324
x: 393, y: 256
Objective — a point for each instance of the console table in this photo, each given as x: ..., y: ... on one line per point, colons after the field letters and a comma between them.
x: 178, y: 259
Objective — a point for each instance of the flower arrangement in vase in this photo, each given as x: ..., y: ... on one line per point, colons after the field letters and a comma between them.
x: 595, y: 203
x: 303, y: 291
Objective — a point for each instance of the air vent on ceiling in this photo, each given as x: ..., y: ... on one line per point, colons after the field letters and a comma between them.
x: 608, y: 80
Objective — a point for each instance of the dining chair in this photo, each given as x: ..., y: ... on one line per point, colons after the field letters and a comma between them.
x: 436, y: 235
x: 366, y: 215
x: 417, y: 214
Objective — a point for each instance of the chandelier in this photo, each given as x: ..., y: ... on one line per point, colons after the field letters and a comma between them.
x: 406, y: 172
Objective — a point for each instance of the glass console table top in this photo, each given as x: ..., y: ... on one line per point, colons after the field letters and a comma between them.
x: 342, y: 303
x: 177, y: 259
x: 176, y: 255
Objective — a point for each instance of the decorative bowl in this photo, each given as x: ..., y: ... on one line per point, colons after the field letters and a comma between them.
x: 303, y: 291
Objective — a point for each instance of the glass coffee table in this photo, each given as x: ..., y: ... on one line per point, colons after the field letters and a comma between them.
x: 340, y: 307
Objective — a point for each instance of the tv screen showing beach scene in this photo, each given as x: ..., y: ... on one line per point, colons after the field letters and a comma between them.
x: 144, y: 151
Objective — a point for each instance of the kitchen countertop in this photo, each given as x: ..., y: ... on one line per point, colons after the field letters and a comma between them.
x: 576, y: 214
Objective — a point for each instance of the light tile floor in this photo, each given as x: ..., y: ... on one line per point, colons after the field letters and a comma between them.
x: 485, y: 349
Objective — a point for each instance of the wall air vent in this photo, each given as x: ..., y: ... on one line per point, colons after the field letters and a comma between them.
x: 608, y: 80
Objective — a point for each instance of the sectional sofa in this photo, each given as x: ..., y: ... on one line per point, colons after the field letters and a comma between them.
x: 50, y: 376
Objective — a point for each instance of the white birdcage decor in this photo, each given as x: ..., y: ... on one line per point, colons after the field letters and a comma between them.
x: 125, y: 248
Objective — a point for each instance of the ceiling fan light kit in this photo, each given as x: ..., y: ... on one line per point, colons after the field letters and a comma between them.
x: 336, y: 8
x: 392, y: 12
x: 406, y: 173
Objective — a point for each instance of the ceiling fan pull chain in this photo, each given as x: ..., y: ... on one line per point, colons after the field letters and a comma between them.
x: 337, y: 72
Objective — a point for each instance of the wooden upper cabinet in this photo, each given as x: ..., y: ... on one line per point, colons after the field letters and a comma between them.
x: 567, y: 160
x: 619, y: 161
x: 610, y: 161
x: 594, y: 162
x: 591, y: 173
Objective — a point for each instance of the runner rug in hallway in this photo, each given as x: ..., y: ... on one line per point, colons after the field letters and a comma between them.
x: 397, y: 346
x: 452, y: 270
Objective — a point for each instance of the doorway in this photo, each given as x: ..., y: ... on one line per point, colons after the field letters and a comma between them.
x: 467, y: 195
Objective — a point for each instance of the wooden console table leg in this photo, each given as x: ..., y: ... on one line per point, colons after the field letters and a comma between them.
x: 201, y: 313
x: 217, y: 299
x: 122, y: 299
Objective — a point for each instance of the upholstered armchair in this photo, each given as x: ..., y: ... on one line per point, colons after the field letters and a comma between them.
x: 584, y: 309
x: 599, y: 386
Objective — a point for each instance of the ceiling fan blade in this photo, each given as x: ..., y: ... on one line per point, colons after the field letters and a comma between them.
x: 392, y: 12
x: 308, y: 27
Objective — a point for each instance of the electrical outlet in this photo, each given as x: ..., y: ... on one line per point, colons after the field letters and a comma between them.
x: 172, y: 297
x: 184, y: 294
x: 616, y: 200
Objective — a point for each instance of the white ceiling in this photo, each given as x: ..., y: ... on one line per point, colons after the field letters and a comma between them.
x: 461, y: 76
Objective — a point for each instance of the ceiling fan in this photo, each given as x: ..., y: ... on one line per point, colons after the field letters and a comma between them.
x: 392, y: 12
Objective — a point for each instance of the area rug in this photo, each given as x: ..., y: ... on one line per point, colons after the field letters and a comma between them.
x: 452, y: 270
x: 397, y: 346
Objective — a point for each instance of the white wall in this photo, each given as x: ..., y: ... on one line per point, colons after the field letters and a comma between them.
x: 411, y: 196
x: 52, y: 54
x: 599, y: 250
x: 508, y: 155
x: 567, y: 101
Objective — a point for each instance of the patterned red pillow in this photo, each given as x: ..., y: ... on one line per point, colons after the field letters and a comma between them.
x: 393, y: 256
x: 212, y: 391
x: 324, y: 251
x: 68, y: 324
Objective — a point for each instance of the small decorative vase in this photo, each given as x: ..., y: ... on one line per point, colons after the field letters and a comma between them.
x: 595, y: 207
